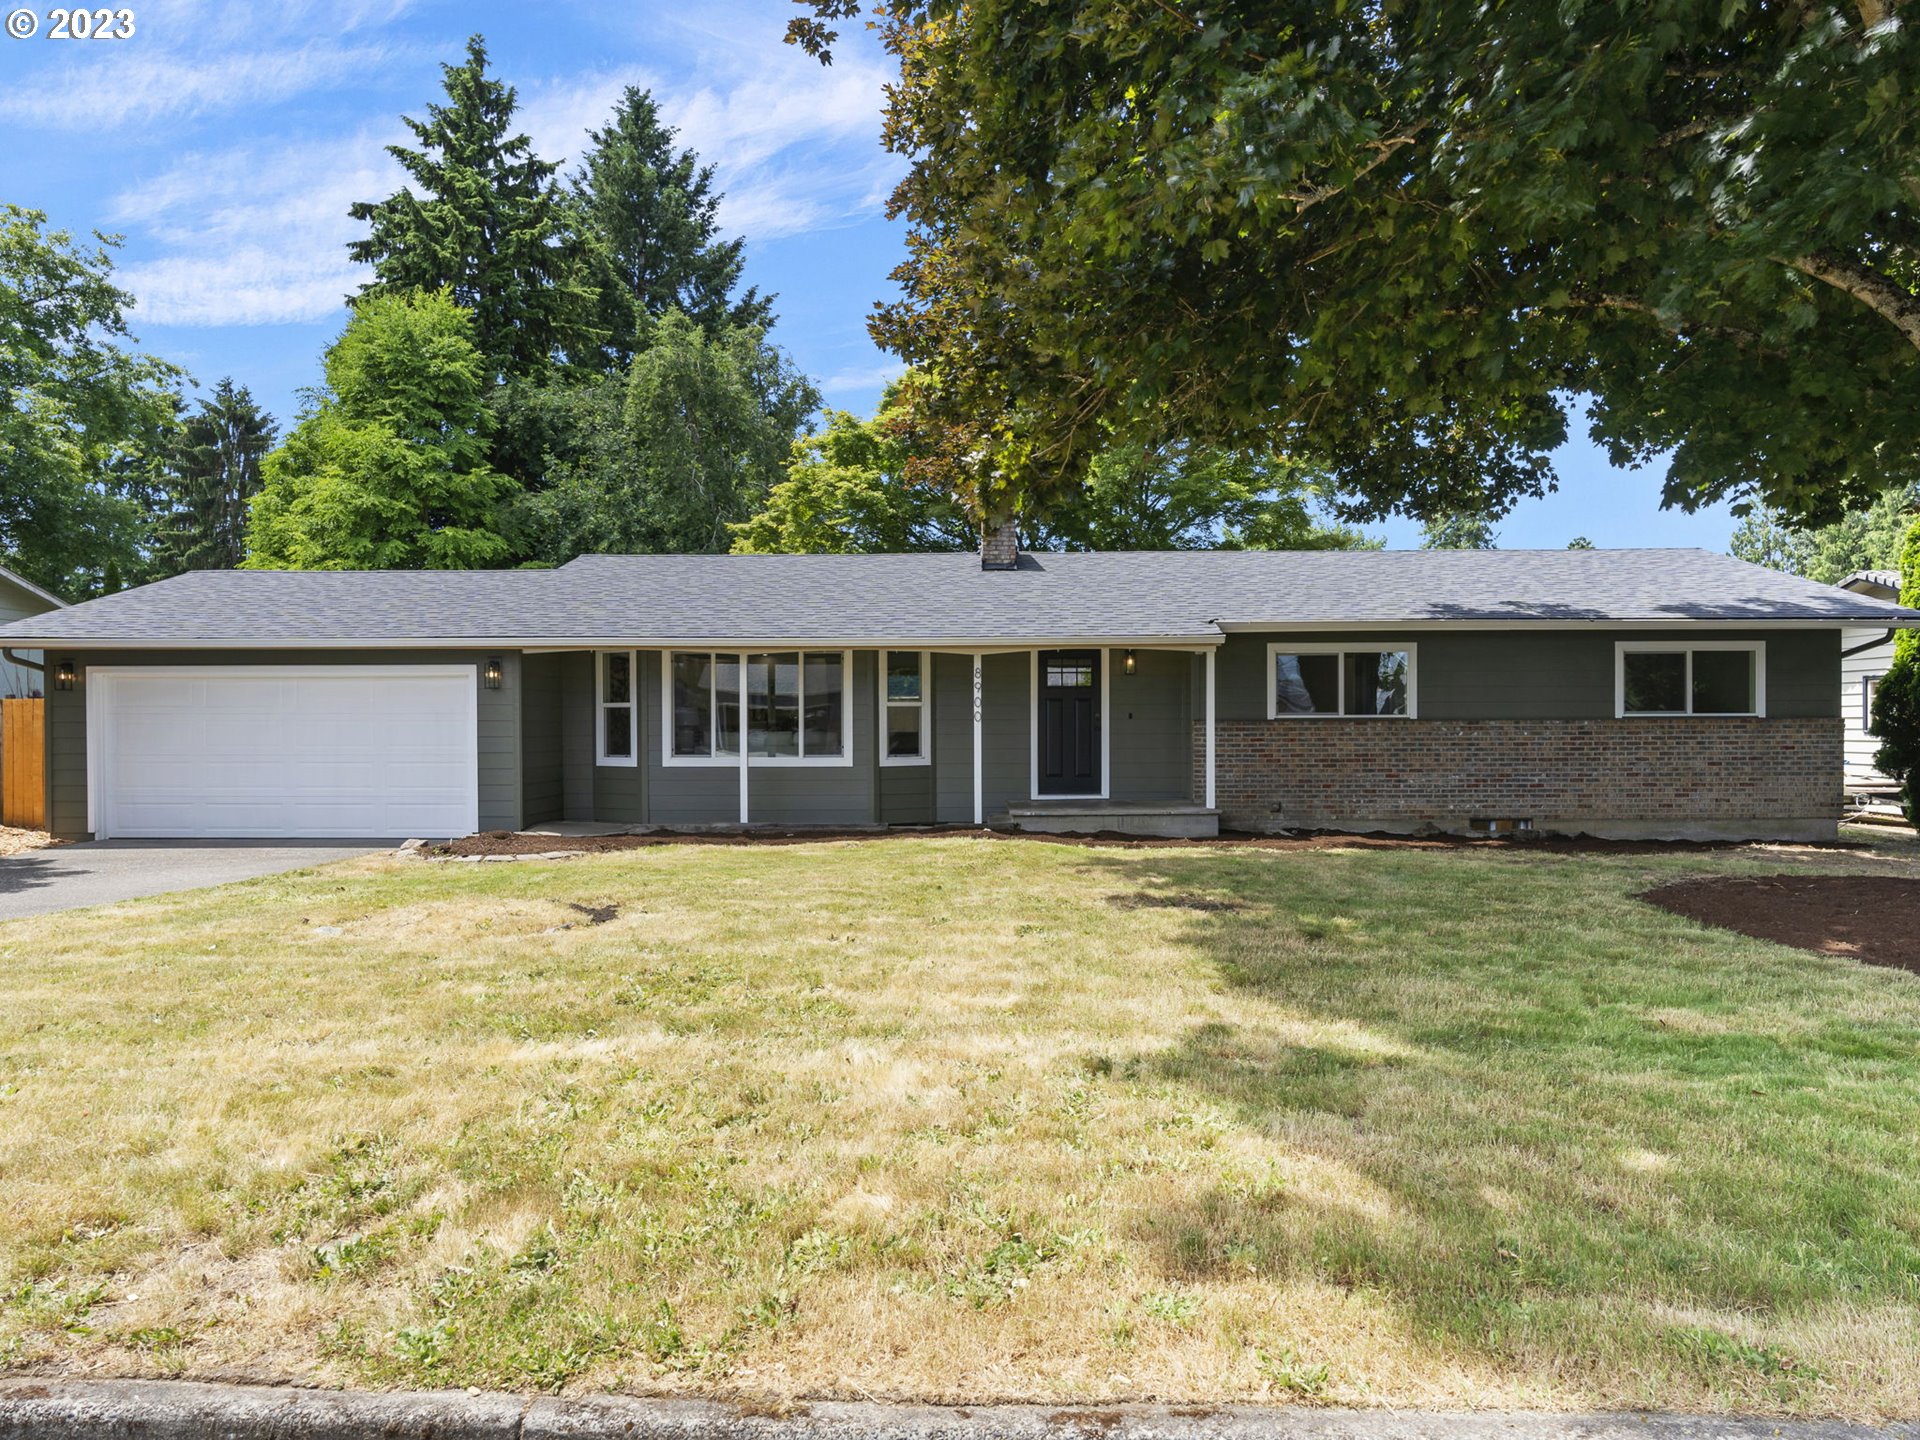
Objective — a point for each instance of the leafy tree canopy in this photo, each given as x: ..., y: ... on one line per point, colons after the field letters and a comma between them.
x: 648, y: 213
x: 80, y: 410
x: 388, y: 469
x: 854, y: 489
x: 1399, y: 242
x: 1896, y: 700
x: 486, y: 224
x: 1461, y: 530
x: 668, y: 456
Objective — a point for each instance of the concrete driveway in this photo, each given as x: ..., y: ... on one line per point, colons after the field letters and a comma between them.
x: 66, y: 877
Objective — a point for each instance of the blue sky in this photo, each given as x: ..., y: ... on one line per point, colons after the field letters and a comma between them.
x: 226, y: 140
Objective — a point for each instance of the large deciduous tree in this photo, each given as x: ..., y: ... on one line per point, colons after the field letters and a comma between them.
x: 671, y: 454
x: 82, y: 413
x: 482, y: 219
x: 1402, y: 241
x: 854, y: 488
x: 388, y: 470
x: 648, y: 216
x: 212, y: 472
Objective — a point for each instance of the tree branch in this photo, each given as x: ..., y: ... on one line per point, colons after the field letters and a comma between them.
x: 1888, y: 299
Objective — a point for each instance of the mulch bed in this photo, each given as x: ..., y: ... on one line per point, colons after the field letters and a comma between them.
x: 1875, y: 918
x: 507, y: 842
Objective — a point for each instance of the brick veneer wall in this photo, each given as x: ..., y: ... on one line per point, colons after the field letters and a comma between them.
x: 1658, y: 777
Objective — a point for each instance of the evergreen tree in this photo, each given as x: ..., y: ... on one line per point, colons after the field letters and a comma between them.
x: 487, y: 224
x: 212, y: 473
x: 648, y: 213
x: 389, y: 469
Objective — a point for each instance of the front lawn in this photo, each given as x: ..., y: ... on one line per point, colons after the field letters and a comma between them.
x: 963, y: 1119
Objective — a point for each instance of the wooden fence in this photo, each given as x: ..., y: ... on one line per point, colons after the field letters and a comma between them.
x: 23, y: 758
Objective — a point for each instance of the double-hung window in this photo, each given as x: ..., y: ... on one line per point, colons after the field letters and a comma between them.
x: 903, y: 704
x: 617, y: 708
x: 1653, y: 678
x: 791, y: 704
x: 1372, y: 681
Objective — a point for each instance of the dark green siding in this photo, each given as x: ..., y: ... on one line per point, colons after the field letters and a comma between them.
x: 1150, y: 725
x: 1540, y: 675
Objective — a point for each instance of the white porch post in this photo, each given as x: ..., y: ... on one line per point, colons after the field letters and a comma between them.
x: 979, y: 749
x: 1209, y: 788
x: 742, y: 696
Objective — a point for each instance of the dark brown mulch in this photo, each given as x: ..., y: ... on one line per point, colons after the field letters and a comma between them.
x: 1875, y: 918
x: 506, y: 842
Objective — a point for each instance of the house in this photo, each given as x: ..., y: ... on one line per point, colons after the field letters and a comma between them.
x: 1614, y: 692
x: 1865, y: 655
x: 20, y: 676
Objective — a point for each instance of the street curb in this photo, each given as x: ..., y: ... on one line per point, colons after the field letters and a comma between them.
x: 188, y: 1410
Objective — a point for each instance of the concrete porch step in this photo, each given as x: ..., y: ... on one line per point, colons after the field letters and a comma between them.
x: 1164, y: 819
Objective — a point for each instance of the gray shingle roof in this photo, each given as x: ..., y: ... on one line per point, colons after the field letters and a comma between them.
x: 948, y: 599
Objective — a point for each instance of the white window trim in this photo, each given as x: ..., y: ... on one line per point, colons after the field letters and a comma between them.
x: 601, y: 705
x: 1368, y: 647
x: 731, y: 761
x: 1106, y: 725
x: 1868, y: 685
x: 1624, y: 648
x: 925, y: 702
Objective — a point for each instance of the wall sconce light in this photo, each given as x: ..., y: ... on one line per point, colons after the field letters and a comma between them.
x: 1128, y: 663
x: 64, y: 675
x: 493, y: 672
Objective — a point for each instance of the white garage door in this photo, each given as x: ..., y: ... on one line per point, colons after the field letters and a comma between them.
x: 301, y: 750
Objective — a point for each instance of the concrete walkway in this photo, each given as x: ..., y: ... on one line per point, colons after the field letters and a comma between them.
x: 66, y: 877
x: 176, y: 1410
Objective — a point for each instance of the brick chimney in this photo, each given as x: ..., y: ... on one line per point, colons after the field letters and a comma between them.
x: 999, y: 545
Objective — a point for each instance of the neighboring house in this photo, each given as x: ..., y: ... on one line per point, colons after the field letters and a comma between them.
x: 1865, y: 656
x: 1613, y: 692
x: 20, y: 676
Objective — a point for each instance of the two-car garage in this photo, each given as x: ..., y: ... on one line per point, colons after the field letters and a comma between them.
x: 283, y: 751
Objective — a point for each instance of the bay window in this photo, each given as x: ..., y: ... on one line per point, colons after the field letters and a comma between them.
x: 1340, y: 680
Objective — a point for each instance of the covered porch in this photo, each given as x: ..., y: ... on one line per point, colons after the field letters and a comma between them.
x: 1054, y: 738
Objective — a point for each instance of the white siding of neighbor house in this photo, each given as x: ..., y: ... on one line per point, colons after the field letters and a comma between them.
x: 1854, y: 671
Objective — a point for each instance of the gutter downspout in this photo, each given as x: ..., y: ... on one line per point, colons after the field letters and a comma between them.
x: 1885, y: 639
x: 14, y: 657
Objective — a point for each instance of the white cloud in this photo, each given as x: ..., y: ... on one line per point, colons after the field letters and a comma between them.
x: 255, y: 235
x: 795, y: 145
x: 189, y: 58
x: 872, y: 377
x: 127, y: 86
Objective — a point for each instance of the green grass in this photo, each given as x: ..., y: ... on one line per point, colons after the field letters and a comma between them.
x: 964, y: 1120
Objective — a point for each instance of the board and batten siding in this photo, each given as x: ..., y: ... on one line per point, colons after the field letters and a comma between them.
x: 1538, y: 674
x: 498, y: 715
x: 1855, y: 672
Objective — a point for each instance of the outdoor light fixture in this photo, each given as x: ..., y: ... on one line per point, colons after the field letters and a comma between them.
x: 1127, y: 664
x: 493, y: 672
x: 64, y: 675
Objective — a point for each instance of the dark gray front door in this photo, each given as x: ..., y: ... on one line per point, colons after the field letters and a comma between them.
x: 1069, y: 719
